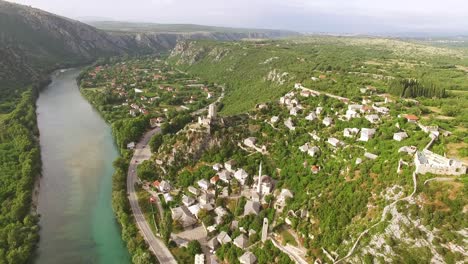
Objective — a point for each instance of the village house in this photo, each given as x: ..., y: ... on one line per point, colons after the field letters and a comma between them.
x: 225, y: 176
x: 206, y: 198
x: 311, y: 150
x: 217, y: 166
x: 294, y: 111
x: 213, y: 243
x: 335, y: 142
x: 373, y: 118
x: 164, y: 187
x: 250, y: 142
x: 315, y: 169
x: 266, y: 185
x: 214, y: 180
x: 318, y: 110
x: 408, y: 149
x: 370, y: 156
x: 133, y: 112
x: 411, y: 118
x: 274, y: 119
x: 311, y: 117
x: 204, y: 184
x: 241, y: 241
x: 284, y: 195
x: 182, y: 215
x: 428, y: 162
x: 351, y: 113
x: 241, y: 176
x: 327, y: 121
x: 251, y: 207
x: 230, y: 165
x: 223, y: 238
x: 399, y: 136
x: 187, y: 200
x: 381, y: 110
x: 199, y: 259
x: 247, y: 258
x: 193, y: 190
x: 289, y: 124
x: 366, y: 134
x: 366, y: 109
x: 131, y: 145
x: 350, y: 132
x: 168, y: 197
x: 194, y: 209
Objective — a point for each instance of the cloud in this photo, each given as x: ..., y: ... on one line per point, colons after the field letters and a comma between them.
x: 358, y: 16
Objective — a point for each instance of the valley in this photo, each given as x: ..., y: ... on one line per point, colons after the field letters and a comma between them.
x: 186, y: 143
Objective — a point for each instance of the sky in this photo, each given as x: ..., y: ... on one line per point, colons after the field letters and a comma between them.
x: 314, y: 16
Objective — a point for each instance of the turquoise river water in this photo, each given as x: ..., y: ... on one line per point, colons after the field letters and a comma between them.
x: 77, y: 222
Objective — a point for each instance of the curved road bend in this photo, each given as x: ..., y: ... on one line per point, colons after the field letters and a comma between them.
x: 143, y: 152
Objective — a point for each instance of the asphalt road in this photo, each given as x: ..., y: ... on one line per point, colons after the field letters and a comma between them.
x: 156, y: 245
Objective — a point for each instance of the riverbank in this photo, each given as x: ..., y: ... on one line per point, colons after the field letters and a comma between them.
x: 120, y: 204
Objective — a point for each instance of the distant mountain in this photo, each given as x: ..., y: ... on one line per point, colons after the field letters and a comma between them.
x: 34, y: 42
x: 121, y: 26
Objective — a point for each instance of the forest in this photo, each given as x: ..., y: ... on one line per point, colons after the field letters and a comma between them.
x: 20, y: 166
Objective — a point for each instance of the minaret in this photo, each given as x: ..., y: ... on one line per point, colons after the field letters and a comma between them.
x: 259, y: 185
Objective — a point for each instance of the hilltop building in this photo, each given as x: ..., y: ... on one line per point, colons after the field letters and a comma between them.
x: 428, y: 162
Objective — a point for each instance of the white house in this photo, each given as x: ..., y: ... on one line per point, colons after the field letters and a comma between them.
x: 241, y: 176
x: 183, y: 216
x: 351, y: 113
x: 131, y: 145
x: 381, y: 110
x: 187, y: 200
x: 335, y: 142
x: 399, y: 136
x: 193, y: 190
x: 366, y: 134
x: 294, y: 110
x: 373, y: 118
x: 204, y: 184
x: 229, y: 165
x: 318, y: 110
x: 217, y: 166
x: 250, y: 142
x: 370, y: 156
x: 164, y: 186
x: 225, y: 176
x: 311, y: 117
x: 289, y: 124
x: 282, y: 198
x: 241, y: 241
x: 350, y: 132
x: 223, y: 238
x: 247, y: 258
x: 274, y: 119
x: 251, y: 207
x: 429, y: 162
x: 327, y: 121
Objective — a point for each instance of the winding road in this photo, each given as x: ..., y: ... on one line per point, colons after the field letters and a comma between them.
x: 156, y: 245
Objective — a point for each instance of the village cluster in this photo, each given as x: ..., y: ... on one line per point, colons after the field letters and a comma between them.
x: 151, y: 90
x: 259, y: 190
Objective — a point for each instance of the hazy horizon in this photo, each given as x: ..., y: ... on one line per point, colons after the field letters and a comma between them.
x: 334, y: 16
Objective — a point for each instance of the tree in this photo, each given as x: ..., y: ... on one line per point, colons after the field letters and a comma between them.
x: 194, y: 247
x: 155, y: 142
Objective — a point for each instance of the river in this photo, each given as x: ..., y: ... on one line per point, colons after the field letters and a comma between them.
x: 77, y: 222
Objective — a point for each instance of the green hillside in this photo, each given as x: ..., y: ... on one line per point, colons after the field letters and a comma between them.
x: 256, y: 72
